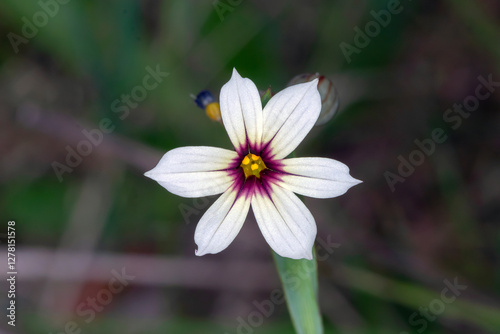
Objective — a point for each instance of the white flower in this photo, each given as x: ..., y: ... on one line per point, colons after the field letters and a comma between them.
x: 257, y: 174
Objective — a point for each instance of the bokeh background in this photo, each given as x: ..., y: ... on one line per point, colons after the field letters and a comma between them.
x: 390, y: 250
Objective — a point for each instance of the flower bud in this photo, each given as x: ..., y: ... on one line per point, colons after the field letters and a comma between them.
x: 329, y: 97
x: 205, y: 100
x: 265, y: 96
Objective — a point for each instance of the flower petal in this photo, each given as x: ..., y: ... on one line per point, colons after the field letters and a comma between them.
x: 316, y: 177
x: 289, y: 116
x: 286, y: 223
x: 241, y: 110
x: 221, y: 223
x: 195, y: 171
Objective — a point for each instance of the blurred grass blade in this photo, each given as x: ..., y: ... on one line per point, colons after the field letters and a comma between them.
x: 300, y: 285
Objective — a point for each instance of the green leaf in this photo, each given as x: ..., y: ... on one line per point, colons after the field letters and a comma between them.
x: 300, y: 284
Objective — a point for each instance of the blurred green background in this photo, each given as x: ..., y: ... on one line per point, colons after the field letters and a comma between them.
x: 65, y: 68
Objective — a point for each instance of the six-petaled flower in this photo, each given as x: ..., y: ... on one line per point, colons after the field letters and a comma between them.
x: 257, y: 173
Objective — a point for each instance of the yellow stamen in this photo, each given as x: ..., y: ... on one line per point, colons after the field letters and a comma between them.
x: 252, y: 165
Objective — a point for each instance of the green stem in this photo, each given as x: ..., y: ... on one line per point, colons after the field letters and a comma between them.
x: 300, y: 285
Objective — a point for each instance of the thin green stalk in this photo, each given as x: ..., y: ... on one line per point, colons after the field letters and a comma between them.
x: 300, y: 284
